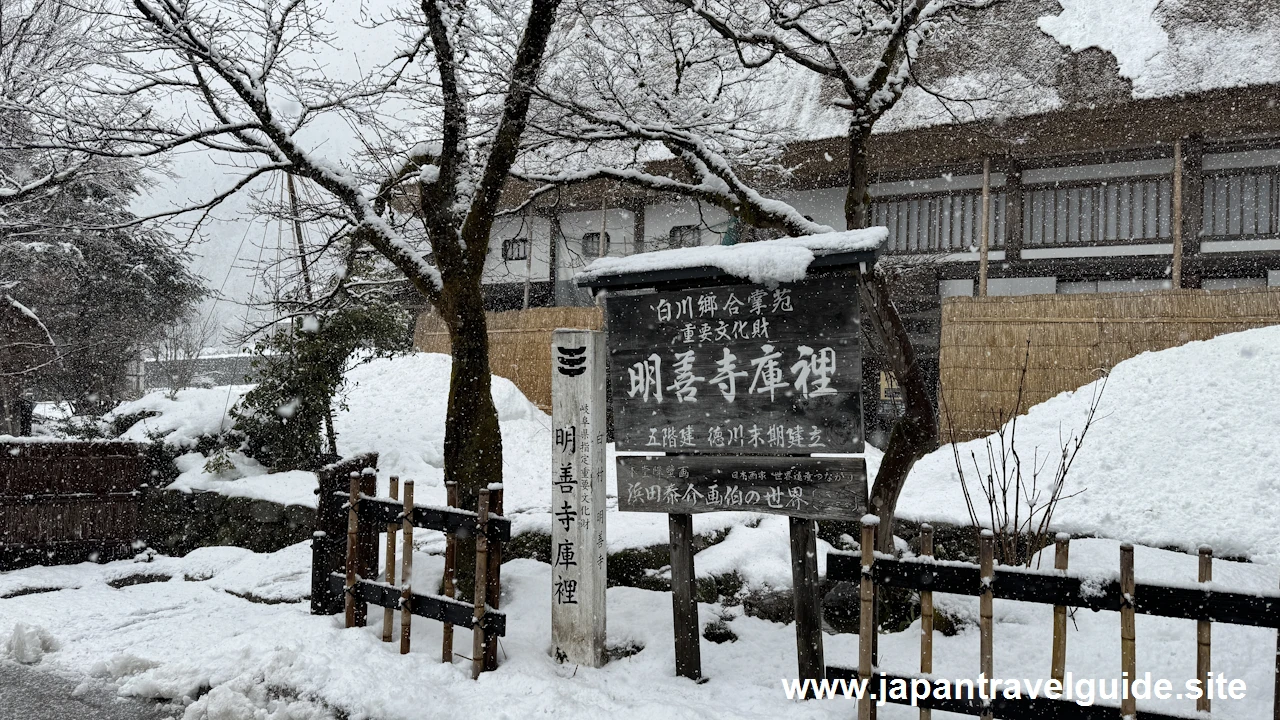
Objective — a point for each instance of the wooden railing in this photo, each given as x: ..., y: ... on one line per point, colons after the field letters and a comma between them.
x: 1049, y: 587
x: 360, y: 588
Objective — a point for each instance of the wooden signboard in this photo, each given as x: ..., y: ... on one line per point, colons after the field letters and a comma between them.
x: 730, y: 391
x: 738, y: 369
x: 813, y: 488
x: 578, y: 549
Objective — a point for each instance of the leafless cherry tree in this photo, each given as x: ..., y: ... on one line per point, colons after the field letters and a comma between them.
x: 667, y: 96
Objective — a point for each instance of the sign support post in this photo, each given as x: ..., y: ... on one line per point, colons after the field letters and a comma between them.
x: 684, y: 598
x: 808, y: 604
x: 578, y: 546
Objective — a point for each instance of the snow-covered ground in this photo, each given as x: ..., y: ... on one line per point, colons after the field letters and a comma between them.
x: 200, y: 638
x: 1180, y: 456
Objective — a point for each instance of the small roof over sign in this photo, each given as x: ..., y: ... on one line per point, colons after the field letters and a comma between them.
x: 768, y: 262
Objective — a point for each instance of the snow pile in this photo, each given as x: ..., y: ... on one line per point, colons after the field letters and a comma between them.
x: 770, y: 261
x: 27, y: 644
x: 183, y: 418
x: 396, y: 407
x: 246, y: 478
x: 1183, y: 451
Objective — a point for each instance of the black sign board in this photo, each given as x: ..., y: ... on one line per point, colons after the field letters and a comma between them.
x: 738, y: 369
x: 814, y: 488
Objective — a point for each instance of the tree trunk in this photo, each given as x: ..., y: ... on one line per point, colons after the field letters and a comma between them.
x: 472, y: 440
x: 916, y: 432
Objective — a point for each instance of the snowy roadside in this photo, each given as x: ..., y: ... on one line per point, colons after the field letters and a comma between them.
x: 194, y: 638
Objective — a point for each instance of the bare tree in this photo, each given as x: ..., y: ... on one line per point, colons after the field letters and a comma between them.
x: 1020, y: 500
x: 46, y: 48
x: 664, y: 95
x: 177, y: 347
x: 437, y: 126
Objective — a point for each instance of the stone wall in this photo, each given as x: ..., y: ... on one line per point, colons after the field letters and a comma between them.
x: 175, y: 522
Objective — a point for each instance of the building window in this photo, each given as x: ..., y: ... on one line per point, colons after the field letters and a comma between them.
x: 939, y: 223
x: 1121, y: 210
x: 591, y: 245
x: 684, y: 236
x: 515, y: 249
x: 1242, y: 204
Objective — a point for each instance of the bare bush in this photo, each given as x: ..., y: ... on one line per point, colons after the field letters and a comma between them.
x: 176, y: 350
x: 1020, y: 497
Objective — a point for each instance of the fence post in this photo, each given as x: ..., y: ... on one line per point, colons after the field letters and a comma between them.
x: 1275, y: 694
x: 482, y: 581
x: 866, y: 616
x: 353, y: 548
x: 326, y: 544
x: 986, y: 654
x: 406, y: 570
x: 1058, y: 666
x: 388, y: 615
x: 1204, y: 630
x: 926, y: 615
x: 450, y: 567
x: 369, y: 533
x: 1128, y: 654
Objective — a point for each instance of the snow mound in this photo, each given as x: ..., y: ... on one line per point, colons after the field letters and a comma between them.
x: 1183, y: 451
x: 183, y: 418
x: 27, y: 644
x: 396, y: 407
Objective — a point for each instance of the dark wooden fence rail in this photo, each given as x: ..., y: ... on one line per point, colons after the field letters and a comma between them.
x: 1049, y: 587
x: 65, y: 501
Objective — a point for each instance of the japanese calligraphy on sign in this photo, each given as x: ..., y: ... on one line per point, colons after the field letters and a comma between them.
x: 738, y: 369
x: 815, y: 488
x: 578, y: 497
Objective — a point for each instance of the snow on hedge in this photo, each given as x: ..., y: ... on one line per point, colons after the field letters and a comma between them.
x: 183, y: 418
x: 769, y: 261
x: 1184, y: 451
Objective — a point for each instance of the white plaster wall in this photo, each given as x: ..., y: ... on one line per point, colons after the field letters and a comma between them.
x: 496, y: 270
x: 659, y: 219
x: 620, y: 224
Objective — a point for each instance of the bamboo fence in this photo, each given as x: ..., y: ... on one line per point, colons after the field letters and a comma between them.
x: 519, y: 343
x: 1067, y: 341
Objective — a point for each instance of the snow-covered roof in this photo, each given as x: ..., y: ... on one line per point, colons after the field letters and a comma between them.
x: 768, y: 262
x: 1025, y: 57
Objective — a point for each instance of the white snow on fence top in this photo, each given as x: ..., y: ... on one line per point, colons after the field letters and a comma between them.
x: 768, y: 262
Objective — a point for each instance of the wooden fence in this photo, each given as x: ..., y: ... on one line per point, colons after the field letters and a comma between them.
x: 345, y: 559
x: 1067, y: 341
x: 329, y: 541
x: 519, y: 343
x: 1057, y: 588
x: 68, y: 501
